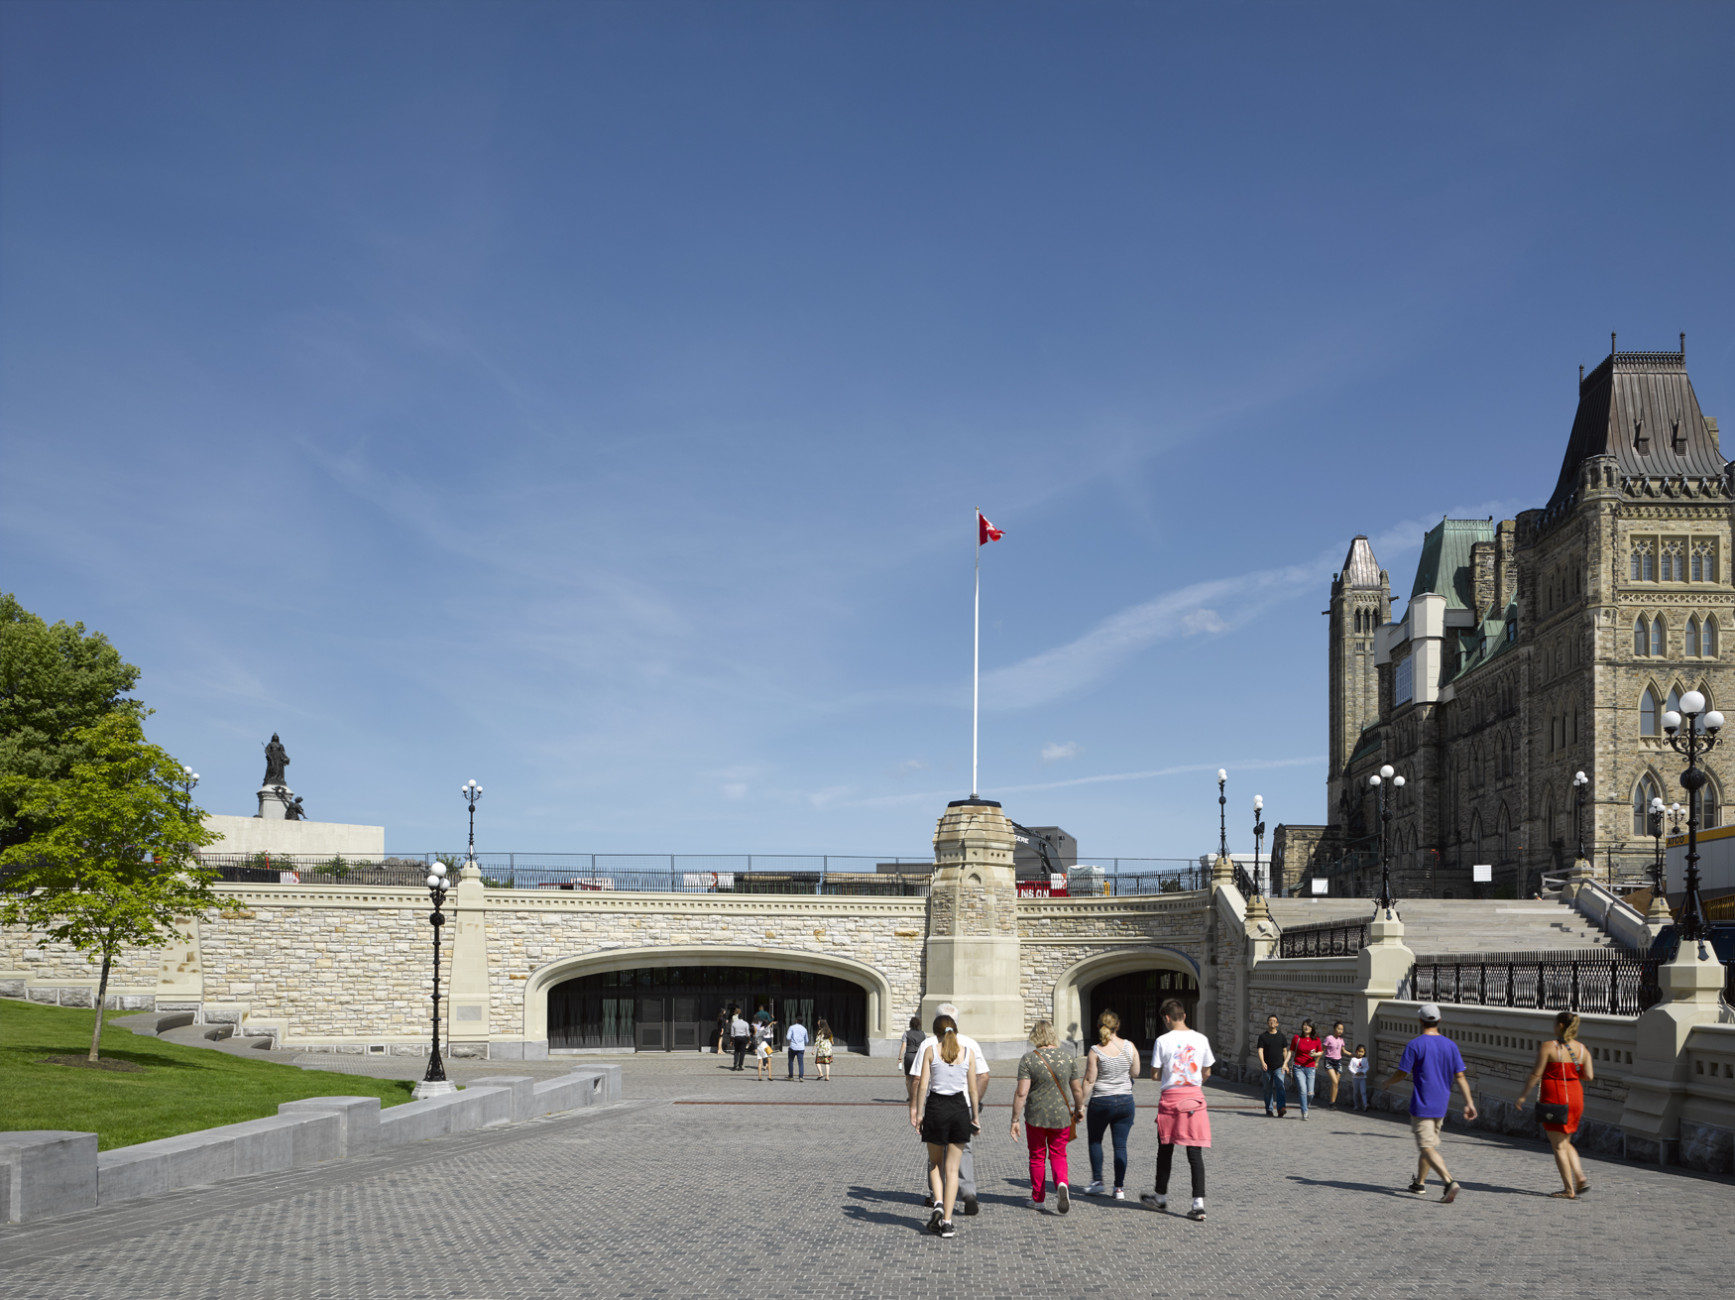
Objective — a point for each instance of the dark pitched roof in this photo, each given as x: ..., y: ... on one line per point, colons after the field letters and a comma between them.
x: 1360, y: 569
x: 1640, y: 408
x: 1445, y: 564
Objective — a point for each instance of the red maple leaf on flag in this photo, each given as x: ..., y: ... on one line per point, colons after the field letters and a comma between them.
x: 985, y: 531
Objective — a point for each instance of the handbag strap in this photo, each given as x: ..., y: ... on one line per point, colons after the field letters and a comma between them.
x: 1070, y: 1108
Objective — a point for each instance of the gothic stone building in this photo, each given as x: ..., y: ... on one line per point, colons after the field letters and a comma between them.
x: 1532, y: 649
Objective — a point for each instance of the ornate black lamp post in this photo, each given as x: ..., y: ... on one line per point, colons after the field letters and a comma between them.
x: 472, y: 793
x: 1654, y: 824
x: 1258, y: 836
x: 434, y: 1081
x: 189, y: 779
x: 1580, y: 784
x: 1222, y: 814
x: 1378, y: 781
x: 1698, y: 737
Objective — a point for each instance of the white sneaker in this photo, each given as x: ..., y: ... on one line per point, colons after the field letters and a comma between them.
x: 1062, y: 1199
x: 1095, y: 1189
x: 1119, y: 1195
x: 1036, y: 1205
x: 1151, y: 1201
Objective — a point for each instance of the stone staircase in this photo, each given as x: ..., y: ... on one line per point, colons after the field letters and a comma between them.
x: 1455, y: 925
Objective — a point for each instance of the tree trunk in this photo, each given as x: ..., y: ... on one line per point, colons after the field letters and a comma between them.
x: 101, y: 1003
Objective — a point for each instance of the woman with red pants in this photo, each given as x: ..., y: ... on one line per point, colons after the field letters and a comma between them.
x: 1563, y: 1067
x: 1048, y: 1102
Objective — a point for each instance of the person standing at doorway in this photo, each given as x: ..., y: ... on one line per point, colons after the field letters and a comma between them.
x: 1108, y: 1082
x: 741, y: 1036
x: 966, y: 1163
x: 1434, y: 1063
x: 1332, y: 1061
x: 1274, y: 1057
x: 1184, y: 1060
x: 822, y: 1049
x: 1304, y: 1050
x: 795, y: 1043
x: 723, y: 1017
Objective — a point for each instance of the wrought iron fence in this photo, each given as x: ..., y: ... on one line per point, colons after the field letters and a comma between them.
x: 1608, y: 981
x: 1326, y: 939
x: 838, y: 874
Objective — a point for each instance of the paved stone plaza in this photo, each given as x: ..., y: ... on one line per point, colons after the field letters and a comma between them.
x: 710, y: 1183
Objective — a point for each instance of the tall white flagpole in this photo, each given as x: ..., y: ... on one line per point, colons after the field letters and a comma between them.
x: 976, y: 662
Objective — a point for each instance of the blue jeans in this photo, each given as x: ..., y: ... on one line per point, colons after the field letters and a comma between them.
x: 1359, y: 1083
x: 1115, y: 1114
x: 797, y: 1061
x: 1303, y: 1084
x: 1276, y: 1098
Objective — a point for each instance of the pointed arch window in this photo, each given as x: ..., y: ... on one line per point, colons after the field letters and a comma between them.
x: 1708, y: 637
x: 1646, y: 790
x: 1710, y: 806
x: 1692, y: 649
x: 1704, y: 562
x: 1658, y: 640
x: 1674, y: 563
x: 1649, y: 713
x: 1641, y: 636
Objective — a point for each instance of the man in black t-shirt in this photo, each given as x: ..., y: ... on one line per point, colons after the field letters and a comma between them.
x: 1274, y: 1056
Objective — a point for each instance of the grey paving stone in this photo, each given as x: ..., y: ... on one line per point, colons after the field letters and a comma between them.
x: 712, y: 1183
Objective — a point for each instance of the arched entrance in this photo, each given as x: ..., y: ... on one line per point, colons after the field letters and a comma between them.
x: 759, y: 973
x: 1136, y: 997
x: 1083, y: 990
x: 674, y: 1008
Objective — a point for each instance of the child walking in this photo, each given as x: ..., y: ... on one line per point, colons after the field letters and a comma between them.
x: 1358, y: 1078
x: 822, y: 1052
x: 763, y: 1053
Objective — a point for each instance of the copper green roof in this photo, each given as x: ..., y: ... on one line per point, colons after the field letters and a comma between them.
x: 1489, y: 639
x: 1444, y: 568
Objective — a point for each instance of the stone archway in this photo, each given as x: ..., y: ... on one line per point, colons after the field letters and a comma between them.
x: 876, y: 986
x: 1073, y: 985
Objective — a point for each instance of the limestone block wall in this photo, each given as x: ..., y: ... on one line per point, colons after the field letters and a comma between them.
x: 536, y: 940
x: 323, y: 963
x: 59, y: 974
x: 1069, y: 944
x: 1321, y: 989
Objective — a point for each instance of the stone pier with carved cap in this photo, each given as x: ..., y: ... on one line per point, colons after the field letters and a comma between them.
x: 972, y: 943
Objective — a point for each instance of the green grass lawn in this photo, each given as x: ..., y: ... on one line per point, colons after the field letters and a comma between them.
x: 177, y: 1090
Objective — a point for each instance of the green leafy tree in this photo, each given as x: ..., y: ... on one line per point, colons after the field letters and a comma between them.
x: 54, y: 681
x: 111, y: 862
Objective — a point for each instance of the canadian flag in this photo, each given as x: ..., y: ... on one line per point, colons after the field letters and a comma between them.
x: 985, y: 531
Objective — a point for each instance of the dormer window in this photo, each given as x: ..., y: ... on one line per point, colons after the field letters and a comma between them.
x: 1641, y: 439
x: 1677, y: 439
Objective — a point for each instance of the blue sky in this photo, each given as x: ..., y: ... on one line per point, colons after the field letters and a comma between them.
x: 592, y: 399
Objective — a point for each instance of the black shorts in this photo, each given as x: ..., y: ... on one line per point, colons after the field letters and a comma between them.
x: 946, y: 1119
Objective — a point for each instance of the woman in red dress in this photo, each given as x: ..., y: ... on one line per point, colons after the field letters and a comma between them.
x: 1563, y: 1067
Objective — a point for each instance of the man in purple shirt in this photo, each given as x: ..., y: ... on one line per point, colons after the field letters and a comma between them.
x: 1435, y: 1064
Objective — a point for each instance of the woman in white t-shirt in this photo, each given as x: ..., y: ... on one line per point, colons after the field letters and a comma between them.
x: 943, y: 1111
x: 1183, y: 1060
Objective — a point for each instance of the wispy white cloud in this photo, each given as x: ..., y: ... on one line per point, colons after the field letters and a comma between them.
x: 1192, y: 610
x: 1055, y: 751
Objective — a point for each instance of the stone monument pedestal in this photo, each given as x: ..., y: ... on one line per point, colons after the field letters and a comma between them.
x: 274, y: 801
x: 439, y: 1088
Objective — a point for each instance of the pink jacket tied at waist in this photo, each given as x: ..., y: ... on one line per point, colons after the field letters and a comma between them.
x: 1181, y: 1117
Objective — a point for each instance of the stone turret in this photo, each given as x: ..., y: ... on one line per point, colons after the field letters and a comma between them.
x: 973, y: 955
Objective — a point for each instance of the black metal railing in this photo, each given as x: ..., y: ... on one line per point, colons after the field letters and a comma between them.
x: 835, y: 874
x: 1327, y: 939
x: 1607, y: 981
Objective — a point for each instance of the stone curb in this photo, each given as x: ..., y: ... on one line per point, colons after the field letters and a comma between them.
x: 45, y: 1173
